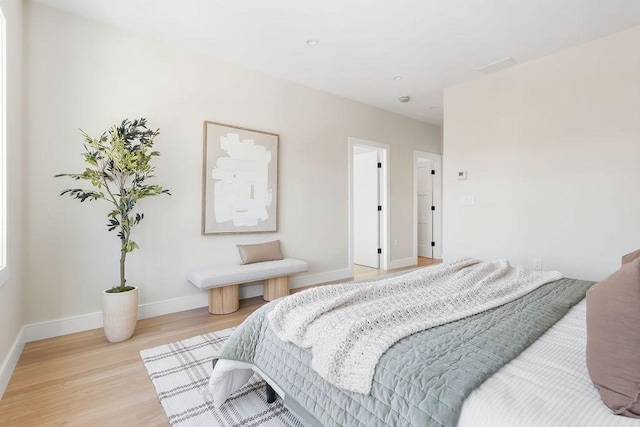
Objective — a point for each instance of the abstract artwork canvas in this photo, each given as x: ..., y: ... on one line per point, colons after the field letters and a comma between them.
x: 240, y: 180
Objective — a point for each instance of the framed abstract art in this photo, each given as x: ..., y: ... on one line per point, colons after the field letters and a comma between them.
x: 239, y: 180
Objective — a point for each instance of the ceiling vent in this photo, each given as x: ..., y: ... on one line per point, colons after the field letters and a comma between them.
x: 497, y: 66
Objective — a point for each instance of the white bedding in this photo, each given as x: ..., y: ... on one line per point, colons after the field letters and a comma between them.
x: 230, y: 375
x: 547, y: 385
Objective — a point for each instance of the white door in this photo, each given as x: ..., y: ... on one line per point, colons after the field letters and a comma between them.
x: 425, y: 202
x: 366, y: 226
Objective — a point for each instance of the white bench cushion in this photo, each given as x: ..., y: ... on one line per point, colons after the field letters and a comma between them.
x: 214, y: 276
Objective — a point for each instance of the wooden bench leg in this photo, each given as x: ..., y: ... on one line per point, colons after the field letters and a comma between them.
x: 224, y: 300
x: 276, y: 288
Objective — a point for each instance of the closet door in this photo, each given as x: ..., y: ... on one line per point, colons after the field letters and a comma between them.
x: 366, y: 217
x: 425, y: 214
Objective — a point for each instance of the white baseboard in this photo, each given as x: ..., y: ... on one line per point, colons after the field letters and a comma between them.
x: 58, y: 327
x: 173, y: 305
x: 404, y: 262
x: 250, y: 290
x: 425, y: 251
x: 314, y: 279
x: 10, y: 361
x: 85, y: 322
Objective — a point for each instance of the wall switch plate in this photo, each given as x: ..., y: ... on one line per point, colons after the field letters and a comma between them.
x: 467, y: 200
x: 537, y: 264
x: 462, y: 174
x: 395, y: 242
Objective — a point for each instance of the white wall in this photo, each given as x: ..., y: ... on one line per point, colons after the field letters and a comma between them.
x: 11, y: 310
x: 552, y: 150
x: 81, y: 74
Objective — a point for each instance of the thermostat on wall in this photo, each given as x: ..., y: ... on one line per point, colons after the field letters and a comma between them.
x: 462, y: 175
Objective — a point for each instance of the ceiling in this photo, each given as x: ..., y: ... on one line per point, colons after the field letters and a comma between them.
x: 363, y: 44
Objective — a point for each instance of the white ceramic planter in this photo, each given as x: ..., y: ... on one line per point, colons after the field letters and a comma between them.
x: 119, y: 314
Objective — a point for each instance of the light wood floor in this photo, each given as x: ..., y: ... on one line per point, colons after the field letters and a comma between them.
x: 81, y: 379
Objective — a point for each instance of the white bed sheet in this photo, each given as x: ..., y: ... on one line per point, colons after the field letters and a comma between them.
x: 547, y: 385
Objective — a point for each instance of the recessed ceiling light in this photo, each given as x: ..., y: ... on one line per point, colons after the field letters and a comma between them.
x: 396, y: 78
x: 404, y: 99
x: 312, y: 42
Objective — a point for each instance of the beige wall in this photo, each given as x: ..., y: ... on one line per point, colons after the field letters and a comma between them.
x: 11, y: 310
x: 551, y: 149
x: 82, y: 74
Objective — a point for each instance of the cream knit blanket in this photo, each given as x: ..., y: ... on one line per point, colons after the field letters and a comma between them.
x: 349, y: 326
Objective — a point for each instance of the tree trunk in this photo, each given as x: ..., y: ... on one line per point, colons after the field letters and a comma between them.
x: 123, y: 256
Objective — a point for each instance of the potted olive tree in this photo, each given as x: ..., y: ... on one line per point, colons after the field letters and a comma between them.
x: 119, y: 166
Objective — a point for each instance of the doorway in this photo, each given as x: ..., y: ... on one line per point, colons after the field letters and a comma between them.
x: 428, y: 204
x: 368, y: 201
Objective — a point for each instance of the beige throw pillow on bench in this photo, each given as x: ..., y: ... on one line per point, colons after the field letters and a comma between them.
x: 613, y: 339
x: 260, y: 252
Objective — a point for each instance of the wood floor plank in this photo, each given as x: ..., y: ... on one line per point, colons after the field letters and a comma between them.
x: 81, y: 379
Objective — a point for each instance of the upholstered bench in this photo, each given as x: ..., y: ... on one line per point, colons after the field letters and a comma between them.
x: 223, y: 281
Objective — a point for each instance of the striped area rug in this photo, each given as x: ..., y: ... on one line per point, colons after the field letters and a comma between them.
x: 180, y: 373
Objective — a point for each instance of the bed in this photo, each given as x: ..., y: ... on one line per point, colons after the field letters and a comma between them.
x: 477, y: 370
x: 547, y: 385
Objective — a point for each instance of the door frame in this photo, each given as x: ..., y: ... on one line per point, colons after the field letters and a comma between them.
x: 383, y: 155
x: 437, y: 200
